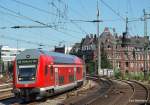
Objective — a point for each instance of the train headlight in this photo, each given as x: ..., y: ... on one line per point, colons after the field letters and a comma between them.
x: 33, y: 78
x: 20, y: 79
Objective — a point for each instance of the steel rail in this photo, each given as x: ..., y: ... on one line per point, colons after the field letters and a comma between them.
x: 129, y: 82
x: 6, y: 84
x: 146, y: 89
x: 109, y: 85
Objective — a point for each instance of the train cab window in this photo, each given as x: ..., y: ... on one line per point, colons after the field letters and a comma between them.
x: 26, y: 73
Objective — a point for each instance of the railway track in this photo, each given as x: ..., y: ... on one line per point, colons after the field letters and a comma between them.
x: 53, y: 100
x: 116, y: 93
x: 140, y: 94
x: 6, y: 91
x: 88, y: 99
x: 106, y: 92
x: 135, y: 93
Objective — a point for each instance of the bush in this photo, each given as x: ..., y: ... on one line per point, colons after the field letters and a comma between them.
x: 135, y: 76
x: 117, y: 73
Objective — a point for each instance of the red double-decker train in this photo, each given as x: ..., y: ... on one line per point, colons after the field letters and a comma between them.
x: 40, y: 73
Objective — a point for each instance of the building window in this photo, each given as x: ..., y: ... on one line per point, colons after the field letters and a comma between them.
x: 142, y: 65
x: 119, y: 65
x: 131, y: 64
x: 139, y: 57
x: 108, y: 46
x: 82, y: 47
x: 147, y: 57
x: 127, y: 64
x: 3, y: 54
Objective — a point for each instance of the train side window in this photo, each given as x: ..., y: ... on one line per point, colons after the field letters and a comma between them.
x: 61, y: 79
x: 78, y: 70
x: 46, y: 70
x: 51, y: 70
x: 71, y: 78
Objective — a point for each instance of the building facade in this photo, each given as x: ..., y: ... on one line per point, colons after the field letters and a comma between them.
x: 8, y: 55
x: 124, y: 52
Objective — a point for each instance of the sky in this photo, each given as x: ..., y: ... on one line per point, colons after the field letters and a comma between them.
x: 58, y: 20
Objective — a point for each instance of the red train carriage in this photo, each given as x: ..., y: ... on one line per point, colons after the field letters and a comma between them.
x: 39, y: 73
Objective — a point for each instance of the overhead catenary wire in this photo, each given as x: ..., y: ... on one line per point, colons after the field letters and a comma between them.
x: 31, y: 6
x: 80, y: 28
x: 15, y: 39
x: 132, y: 13
x: 75, y: 24
x: 25, y: 41
x: 39, y: 9
x: 70, y: 20
x: 19, y: 22
x: 31, y: 26
x: 108, y: 6
x: 25, y: 4
x: 36, y: 21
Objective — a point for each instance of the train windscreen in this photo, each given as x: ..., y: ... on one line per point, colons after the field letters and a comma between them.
x: 26, y: 73
x: 26, y: 69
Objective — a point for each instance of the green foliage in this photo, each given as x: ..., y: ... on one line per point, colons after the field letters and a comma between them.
x: 1, y: 65
x: 117, y: 73
x: 10, y: 68
x: 105, y: 63
x: 91, y: 67
x: 79, y: 54
x: 1, y: 62
x: 135, y: 76
x: 149, y: 78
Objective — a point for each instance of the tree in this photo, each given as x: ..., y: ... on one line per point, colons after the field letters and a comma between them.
x: 105, y: 63
x: 117, y: 73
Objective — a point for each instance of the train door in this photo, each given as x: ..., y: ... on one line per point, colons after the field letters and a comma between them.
x: 51, y: 75
x: 46, y: 76
x: 75, y: 78
x: 56, y: 77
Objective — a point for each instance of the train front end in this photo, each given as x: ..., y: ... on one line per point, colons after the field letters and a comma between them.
x: 25, y: 72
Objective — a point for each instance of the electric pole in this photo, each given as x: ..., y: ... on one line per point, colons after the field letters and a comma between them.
x: 146, y: 44
x: 126, y: 25
x: 1, y: 61
x: 99, y: 47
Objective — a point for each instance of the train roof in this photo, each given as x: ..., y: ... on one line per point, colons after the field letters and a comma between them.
x: 57, y: 57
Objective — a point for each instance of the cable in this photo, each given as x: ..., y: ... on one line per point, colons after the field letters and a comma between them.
x: 112, y: 10
x: 25, y: 4
x: 15, y: 27
x: 69, y: 19
x: 80, y: 28
x: 131, y: 10
x: 28, y: 18
x: 31, y: 6
x: 21, y: 26
x: 19, y: 22
x: 25, y: 41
